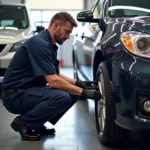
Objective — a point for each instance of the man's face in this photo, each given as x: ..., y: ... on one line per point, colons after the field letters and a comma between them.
x: 63, y: 32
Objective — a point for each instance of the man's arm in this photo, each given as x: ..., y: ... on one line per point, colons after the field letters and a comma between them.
x: 79, y: 83
x: 57, y: 82
x: 71, y: 81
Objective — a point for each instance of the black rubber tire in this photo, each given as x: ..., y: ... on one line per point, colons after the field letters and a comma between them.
x: 75, y: 76
x: 111, y: 134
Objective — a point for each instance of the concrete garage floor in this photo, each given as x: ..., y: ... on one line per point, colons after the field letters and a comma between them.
x: 75, y: 131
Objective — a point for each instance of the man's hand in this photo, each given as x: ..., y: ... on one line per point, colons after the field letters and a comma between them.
x: 91, y: 94
x: 86, y: 84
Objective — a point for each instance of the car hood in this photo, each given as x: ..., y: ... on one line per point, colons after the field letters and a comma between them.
x: 8, y: 36
x: 141, y: 24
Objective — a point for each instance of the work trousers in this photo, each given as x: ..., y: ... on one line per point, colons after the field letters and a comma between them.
x: 37, y: 105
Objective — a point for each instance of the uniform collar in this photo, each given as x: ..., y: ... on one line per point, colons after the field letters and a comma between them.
x: 50, y: 39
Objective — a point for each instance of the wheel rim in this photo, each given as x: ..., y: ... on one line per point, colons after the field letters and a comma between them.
x: 101, y: 104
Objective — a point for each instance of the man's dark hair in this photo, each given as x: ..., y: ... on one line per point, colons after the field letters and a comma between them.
x: 64, y: 17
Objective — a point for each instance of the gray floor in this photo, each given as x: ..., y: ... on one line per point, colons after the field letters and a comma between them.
x: 75, y: 131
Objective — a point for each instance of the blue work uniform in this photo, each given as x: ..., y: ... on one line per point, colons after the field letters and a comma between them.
x: 33, y: 99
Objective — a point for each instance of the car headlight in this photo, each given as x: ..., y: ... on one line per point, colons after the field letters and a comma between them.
x: 137, y: 43
x: 15, y: 46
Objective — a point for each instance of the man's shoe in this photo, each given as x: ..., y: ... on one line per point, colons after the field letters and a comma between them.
x: 43, y: 131
x: 25, y: 133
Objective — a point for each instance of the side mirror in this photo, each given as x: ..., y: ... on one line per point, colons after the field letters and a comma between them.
x: 39, y: 28
x: 86, y: 16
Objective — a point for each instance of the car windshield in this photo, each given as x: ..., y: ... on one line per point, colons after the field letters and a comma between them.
x: 129, y: 8
x: 13, y: 16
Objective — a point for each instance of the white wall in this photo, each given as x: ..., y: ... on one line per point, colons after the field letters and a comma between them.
x: 55, y: 4
x: 11, y: 1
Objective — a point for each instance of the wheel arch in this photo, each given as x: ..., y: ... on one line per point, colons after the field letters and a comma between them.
x: 98, y: 58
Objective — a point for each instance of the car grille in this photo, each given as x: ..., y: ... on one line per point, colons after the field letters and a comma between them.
x: 2, y: 46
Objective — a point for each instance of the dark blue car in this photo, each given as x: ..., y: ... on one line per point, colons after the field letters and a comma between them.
x: 112, y: 47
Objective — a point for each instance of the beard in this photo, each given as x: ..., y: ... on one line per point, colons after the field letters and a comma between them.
x: 58, y: 38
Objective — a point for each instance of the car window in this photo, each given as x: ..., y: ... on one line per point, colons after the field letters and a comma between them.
x: 17, y: 18
x: 136, y: 3
x: 129, y: 8
x: 94, y: 5
x: 95, y: 9
x: 100, y: 8
x: 96, y: 12
x: 105, y: 11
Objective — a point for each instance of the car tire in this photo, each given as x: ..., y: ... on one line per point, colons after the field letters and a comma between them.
x: 109, y: 133
x: 75, y: 76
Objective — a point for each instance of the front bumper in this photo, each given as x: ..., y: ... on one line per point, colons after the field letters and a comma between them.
x: 5, y: 60
x: 132, y: 76
x: 133, y: 124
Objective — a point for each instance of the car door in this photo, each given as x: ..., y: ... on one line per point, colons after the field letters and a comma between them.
x: 78, y: 48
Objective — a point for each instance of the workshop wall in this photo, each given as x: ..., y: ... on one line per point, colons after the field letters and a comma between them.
x: 57, y: 4
x: 11, y: 1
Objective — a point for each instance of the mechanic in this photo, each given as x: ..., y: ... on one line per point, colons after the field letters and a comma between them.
x: 33, y: 87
